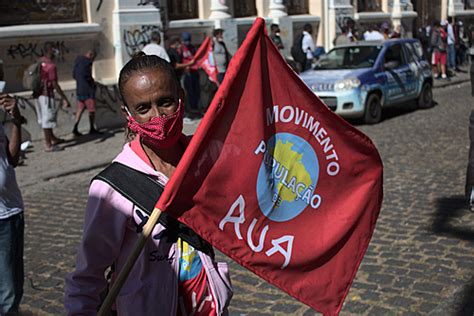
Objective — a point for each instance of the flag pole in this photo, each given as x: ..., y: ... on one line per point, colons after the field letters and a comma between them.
x: 132, y: 258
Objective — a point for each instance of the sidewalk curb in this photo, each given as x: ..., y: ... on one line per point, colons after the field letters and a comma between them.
x: 450, y: 83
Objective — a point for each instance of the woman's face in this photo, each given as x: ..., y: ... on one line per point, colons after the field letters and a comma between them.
x: 149, y: 94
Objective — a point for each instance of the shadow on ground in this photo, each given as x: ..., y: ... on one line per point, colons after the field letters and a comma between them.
x: 465, y: 305
x: 394, y: 111
x: 98, y: 138
x: 449, y: 209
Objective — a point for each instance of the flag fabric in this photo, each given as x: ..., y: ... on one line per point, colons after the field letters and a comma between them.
x: 279, y: 183
x: 205, y: 59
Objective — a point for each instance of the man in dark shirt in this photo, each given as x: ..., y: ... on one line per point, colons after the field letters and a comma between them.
x: 175, y: 58
x: 85, y: 90
x: 275, y: 36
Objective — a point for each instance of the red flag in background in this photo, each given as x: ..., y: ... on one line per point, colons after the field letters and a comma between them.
x: 279, y: 183
x: 205, y: 59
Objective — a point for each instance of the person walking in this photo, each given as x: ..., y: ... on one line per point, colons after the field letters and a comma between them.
x: 385, y: 27
x: 170, y: 277
x: 221, y: 54
x: 397, y: 32
x: 175, y: 57
x: 438, y: 47
x: 343, y: 38
x: 275, y: 36
x: 373, y: 34
x: 308, y: 46
x: 154, y: 47
x: 46, y: 107
x: 85, y: 91
x: 11, y: 212
x: 190, y: 78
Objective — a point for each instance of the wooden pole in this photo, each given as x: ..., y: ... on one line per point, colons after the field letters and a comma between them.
x: 132, y: 258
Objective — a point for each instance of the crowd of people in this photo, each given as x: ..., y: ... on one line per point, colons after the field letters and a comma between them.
x: 445, y: 46
x: 443, y: 42
x: 180, y: 53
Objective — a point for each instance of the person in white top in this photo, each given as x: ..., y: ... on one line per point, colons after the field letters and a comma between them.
x: 308, y: 46
x: 154, y: 47
x: 372, y: 34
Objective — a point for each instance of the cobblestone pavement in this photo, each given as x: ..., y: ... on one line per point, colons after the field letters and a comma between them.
x: 420, y: 260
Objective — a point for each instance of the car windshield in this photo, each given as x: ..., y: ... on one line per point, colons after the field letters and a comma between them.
x: 351, y: 57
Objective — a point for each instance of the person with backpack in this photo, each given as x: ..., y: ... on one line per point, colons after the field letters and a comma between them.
x: 172, y: 275
x: 302, y: 50
x: 221, y: 54
x: 438, y: 44
x: 308, y: 46
x: 46, y: 107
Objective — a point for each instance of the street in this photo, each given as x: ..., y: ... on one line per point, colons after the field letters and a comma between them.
x: 420, y: 260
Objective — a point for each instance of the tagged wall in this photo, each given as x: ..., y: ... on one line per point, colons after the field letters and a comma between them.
x: 20, y: 52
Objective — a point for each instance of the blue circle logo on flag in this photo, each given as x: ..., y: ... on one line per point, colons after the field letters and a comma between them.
x: 287, y: 178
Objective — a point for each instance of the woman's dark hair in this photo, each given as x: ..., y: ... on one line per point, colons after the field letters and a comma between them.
x: 217, y: 32
x: 140, y: 63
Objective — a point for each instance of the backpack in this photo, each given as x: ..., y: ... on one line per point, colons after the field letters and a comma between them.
x: 297, y: 51
x: 32, y: 78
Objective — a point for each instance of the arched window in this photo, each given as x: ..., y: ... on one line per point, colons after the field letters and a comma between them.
x: 369, y: 5
x: 295, y: 7
x: 182, y: 9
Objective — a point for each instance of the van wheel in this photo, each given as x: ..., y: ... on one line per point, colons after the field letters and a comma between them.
x: 373, y: 109
x: 425, y: 100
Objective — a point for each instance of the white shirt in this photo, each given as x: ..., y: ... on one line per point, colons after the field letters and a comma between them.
x: 11, y: 202
x: 307, y: 44
x: 373, y: 36
x: 451, y: 39
x: 157, y: 50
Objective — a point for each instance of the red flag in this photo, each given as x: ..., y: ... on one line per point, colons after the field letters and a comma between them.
x: 279, y: 183
x: 205, y: 59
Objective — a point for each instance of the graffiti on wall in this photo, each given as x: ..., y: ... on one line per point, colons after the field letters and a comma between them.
x: 137, y: 38
x: 107, y: 98
x: 156, y: 3
x: 29, y: 50
x: 343, y: 18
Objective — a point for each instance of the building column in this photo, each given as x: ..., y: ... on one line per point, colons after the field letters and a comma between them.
x: 130, y: 21
x: 277, y: 10
x: 385, y: 6
x: 444, y: 9
x: 335, y: 16
x: 396, y: 13
x: 455, y: 6
x: 219, y: 10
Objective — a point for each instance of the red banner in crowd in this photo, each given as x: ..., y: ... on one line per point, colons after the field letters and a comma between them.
x: 279, y: 183
x: 205, y: 59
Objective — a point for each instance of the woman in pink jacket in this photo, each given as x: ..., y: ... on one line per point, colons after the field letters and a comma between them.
x: 170, y: 277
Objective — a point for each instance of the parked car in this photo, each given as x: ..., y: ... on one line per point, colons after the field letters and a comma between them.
x: 359, y: 79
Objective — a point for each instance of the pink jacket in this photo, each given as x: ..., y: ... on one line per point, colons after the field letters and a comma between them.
x: 109, y: 235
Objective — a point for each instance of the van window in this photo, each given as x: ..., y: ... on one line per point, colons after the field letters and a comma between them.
x: 411, y: 54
